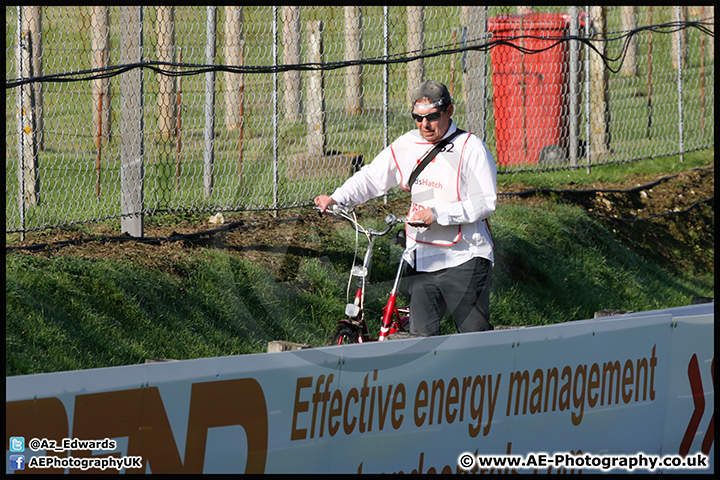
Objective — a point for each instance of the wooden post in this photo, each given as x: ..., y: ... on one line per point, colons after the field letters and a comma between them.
x: 598, y: 89
x: 475, y: 79
x: 315, y: 95
x: 316, y: 162
x: 415, y: 17
x: 100, y: 48
x: 233, y: 54
x: 32, y: 23
x: 28, y: 172
x: 291, y: 56
x: 353, y: 52
x: 629, y: 22
x: 164, y: 27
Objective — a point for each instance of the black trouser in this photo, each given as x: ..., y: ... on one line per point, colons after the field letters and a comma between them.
x: 464, y: 290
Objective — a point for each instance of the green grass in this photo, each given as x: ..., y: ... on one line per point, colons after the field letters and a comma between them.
x: 554, y: 263
x: 65, y: 314
x: 614, y: 173
x: 69, y: 313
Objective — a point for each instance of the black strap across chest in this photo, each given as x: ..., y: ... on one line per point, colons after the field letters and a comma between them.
x: 430, y: 155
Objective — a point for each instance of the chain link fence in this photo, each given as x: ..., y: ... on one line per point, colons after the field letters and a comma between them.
x: 122, y: 112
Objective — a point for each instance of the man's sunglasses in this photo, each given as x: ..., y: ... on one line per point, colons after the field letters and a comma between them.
x: 430, y: 117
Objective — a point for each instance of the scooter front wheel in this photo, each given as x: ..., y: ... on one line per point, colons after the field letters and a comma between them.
x: 344, y: 334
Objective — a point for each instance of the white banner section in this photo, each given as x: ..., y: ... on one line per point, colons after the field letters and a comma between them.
x: 605, y: 395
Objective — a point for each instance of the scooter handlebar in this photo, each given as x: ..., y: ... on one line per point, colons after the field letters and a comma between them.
x: 345, y: 211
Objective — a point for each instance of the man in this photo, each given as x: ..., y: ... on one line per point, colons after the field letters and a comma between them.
x: 449, y: 246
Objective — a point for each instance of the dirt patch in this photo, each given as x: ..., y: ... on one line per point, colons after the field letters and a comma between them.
x: 667, y: 218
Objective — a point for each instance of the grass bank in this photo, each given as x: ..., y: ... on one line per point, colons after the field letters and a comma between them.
x: 554, y: 263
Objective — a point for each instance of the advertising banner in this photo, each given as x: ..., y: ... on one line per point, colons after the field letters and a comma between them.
x: 632, y: 393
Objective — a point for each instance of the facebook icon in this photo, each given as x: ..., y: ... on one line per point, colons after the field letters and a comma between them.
x: 17, y: 462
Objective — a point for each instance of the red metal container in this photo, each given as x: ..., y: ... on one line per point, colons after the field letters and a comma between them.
x: 530, y: 90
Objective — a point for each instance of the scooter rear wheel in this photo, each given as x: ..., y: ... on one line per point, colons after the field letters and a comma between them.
x: 344, y: 334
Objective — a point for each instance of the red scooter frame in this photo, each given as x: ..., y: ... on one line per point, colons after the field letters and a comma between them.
x: 354, y: 329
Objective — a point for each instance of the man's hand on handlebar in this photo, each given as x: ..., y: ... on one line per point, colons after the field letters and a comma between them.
x: 323, y: 202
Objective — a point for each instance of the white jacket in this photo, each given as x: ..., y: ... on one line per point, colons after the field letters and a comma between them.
x: 460, y: 184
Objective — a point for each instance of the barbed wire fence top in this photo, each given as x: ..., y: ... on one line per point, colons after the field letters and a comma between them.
x: 122, y: 112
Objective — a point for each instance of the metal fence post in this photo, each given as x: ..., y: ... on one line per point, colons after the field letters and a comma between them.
x: 19, y: 102
x: 680, y: 55
x: 573, y: 90
x: 588, y: 117
x: 275, y: 146
x: 131, y: 116
x: 209, y: 130
x: 386, y: 80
